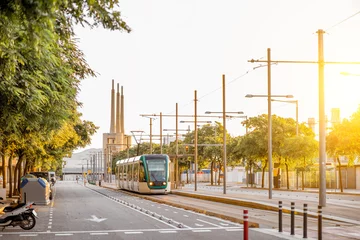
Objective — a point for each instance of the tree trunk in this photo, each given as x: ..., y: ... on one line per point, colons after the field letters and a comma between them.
x: 20, y: 173
x: 211, y: 172
x: 4, y: 170
x: 263, y: 176
x: 17, y: 175
x: 10, y: 176
x: 250, y: 175
x: 340, y: 178
x: 26, y: 166
x: 287, y: 176
x: 302, y: 177
x: 15, y: 179
x: 219, y: 173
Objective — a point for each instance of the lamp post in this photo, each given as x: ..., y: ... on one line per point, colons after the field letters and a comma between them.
x: 297, y: 111
x: 269, y: 96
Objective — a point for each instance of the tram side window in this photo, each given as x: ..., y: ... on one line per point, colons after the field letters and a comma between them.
x: 129, y: 172
x: 121, y: 172
x: 136, y: 172
x: 125, y: 173
x: 142, y: 173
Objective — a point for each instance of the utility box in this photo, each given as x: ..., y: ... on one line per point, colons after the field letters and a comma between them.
x: 35, y: 190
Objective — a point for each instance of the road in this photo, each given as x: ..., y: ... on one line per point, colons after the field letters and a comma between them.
x: 79, y: 212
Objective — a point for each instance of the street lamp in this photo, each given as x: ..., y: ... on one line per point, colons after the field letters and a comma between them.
x: 297, y: 111
x: 269, y: 96
x: 209, y: 112
x: 197, y: 121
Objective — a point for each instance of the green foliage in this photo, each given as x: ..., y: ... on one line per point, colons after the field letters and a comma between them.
x: 41, y: 68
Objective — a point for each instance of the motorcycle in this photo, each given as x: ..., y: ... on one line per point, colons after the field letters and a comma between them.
x: 22, y: 215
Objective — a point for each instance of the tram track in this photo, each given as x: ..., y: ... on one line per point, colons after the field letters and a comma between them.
x: 229, y: 212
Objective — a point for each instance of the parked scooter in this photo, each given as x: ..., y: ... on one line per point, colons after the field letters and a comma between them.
x: 22, y: 215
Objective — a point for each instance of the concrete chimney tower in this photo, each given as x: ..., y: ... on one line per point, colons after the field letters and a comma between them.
x: 112, y: 117
x: 118, y: 119
x: 122, y: 129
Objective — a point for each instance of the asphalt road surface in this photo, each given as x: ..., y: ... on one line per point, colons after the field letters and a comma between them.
x: 79, y: 212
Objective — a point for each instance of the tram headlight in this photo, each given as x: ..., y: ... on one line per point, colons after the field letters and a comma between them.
x: 151, y: 183
x: 164, y: 183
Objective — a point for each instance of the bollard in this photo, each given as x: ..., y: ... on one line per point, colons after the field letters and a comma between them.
x: 305, y: 221
x: 280, y: 216
x: 292, y: 218
x: 319, y: 222
x: 246, y: 225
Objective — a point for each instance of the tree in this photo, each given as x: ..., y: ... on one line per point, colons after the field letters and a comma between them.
x: 41, y: 66
x: 344, y: 140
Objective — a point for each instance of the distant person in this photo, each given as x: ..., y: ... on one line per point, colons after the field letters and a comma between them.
x: 77, y: 179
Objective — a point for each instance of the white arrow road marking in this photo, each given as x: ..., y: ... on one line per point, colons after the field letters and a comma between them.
x: 198, y: 225
x: 95, y: 219
x: 224, y: 224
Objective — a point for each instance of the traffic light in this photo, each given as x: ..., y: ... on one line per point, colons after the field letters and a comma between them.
x: 186, y: 148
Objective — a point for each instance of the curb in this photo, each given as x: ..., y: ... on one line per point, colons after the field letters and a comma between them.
x: 186, y: 207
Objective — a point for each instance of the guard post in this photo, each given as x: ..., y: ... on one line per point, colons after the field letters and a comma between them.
x: 280, y: 216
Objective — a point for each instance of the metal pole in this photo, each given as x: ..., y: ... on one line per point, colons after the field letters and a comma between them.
x: 322, y: 127
x: 305, y: 221
x: 176, y: 144
x: 127, y: 146
x: 292, y: 220
x: 224, y: 133
x: 150, y: 135
x: 280, y: 216
x: 246, y: 225
x: 319, y: 222
x: 195, y: 138
x: 269, y: 123
x: 161, y: 133
x: 297, y: 117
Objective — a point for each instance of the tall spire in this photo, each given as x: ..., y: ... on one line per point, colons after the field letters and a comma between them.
x: 122, y: 129
x: 118, y: 124
x: 112, y: 117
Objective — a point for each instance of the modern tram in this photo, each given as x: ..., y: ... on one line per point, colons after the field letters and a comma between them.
x: 144, y: 174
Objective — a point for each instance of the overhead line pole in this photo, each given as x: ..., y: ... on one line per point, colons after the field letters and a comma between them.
x: 322, y: 129
x: 195, y: 137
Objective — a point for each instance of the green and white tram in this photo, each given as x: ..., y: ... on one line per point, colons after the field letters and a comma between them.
x: 144, y: 174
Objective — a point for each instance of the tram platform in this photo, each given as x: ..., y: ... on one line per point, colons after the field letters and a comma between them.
x: 215, y: 194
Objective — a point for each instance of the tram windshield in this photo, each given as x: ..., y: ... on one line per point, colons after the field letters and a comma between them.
x: 157, y: 169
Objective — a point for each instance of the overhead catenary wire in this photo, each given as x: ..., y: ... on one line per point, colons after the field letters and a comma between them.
x: 342, y: 21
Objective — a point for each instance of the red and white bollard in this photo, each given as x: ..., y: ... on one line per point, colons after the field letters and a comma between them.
x: 246, y: 225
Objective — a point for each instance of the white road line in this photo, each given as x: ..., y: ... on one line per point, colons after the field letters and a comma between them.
x: 28, y: 235
x: 63, y: 234
x: 141, y: 212
x: 234, y: 230
x: 213, y: 224
x: 175, y: 212
x: 50, y: 223
x: 198, y: 225
x: 133, y: 232
x: 121, y: 230
x: 49, y: 226
x: 166, y: 209
x: 168, y: 231
x: 201, y: 230
x: 185, y: 215
x: 224, y: 224
x: 105, y: 233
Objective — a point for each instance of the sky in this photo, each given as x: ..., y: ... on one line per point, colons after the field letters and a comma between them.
x: 177, y: 47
